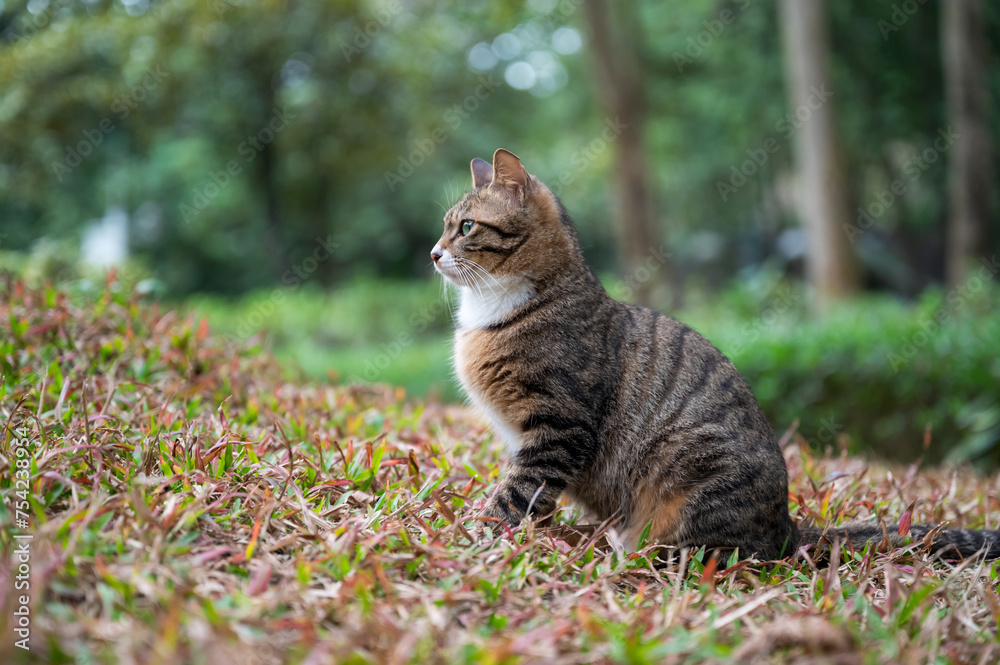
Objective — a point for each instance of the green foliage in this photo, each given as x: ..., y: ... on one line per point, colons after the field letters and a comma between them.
x: 881, y: 371
x: 163, y: 96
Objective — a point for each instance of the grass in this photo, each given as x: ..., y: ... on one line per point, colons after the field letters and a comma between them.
x: 188, y: 503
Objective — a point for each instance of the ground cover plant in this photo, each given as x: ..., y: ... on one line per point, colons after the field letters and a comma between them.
x: 187, y: 502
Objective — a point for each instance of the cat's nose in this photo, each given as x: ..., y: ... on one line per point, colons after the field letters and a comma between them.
x: 436, y: 254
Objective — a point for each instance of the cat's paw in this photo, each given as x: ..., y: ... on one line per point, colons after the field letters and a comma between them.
x: 494, y: 520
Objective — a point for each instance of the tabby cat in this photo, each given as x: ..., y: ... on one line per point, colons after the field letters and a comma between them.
x: 634, y: 415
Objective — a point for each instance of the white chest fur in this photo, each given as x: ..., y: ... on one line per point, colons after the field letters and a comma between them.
x: 487, y: 303
x: 507, y: 435
x: 465, y: 349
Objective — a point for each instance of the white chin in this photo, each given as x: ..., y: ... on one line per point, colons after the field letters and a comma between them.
x: 453, y: 279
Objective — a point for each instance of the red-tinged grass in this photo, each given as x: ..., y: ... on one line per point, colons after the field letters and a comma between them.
x: 189, y: 505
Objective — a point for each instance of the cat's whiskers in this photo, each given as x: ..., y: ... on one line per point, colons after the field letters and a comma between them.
x: 449, y: 299
x: 468, y: 279
x: 477, y: 269
x: 465, y: 263
x: 480, y: 283
x: 468, y: 265
x: 586, y: 393
x: 485, y: 272
x: 474, y: 281
x: 446, y: 298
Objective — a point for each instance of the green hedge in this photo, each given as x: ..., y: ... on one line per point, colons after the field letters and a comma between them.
x: 881, y: 371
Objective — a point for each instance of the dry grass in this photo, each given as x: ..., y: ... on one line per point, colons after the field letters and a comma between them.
x: 189, y: 505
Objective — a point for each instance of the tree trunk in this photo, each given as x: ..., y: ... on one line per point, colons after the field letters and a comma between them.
x: 821, y: 194
x: 965, y: 51
x: 615, y: 45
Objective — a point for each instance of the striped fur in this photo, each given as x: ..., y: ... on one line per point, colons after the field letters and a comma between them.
x: 631, y: 413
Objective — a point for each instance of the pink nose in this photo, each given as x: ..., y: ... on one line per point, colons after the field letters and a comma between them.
x: 436, y: 254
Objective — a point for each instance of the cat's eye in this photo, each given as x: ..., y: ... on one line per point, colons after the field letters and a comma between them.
x: 467, y: 226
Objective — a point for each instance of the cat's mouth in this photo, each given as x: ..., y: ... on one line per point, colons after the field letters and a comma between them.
x: 448, y: 267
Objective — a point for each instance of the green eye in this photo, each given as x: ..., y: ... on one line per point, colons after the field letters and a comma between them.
x: 467, y: 227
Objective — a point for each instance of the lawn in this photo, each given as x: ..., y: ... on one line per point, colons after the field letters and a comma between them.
x: 187, y: 502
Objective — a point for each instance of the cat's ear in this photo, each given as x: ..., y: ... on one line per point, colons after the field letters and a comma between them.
x: 482, y: 172
x: 509, y: 175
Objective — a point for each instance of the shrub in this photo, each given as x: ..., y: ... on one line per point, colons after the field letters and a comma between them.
x: 882, y: 371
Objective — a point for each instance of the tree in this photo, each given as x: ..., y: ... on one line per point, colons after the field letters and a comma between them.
x: 615, y: 39
x: 821, y: 196
x: 965, y: 52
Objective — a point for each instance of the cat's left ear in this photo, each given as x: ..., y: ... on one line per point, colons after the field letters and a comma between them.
x: 482, y: 172
x: 509, y: 176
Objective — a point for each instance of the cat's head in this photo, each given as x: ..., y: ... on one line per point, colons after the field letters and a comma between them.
x: 509, y: 225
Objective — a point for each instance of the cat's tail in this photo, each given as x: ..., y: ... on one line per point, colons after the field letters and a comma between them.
x: 950, y: 543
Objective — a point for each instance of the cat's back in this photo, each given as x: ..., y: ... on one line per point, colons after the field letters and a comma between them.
x: 700, y: 458
x: 677, y: 379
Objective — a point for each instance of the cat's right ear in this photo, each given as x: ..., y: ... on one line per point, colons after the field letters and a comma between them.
x: 509, y: 176
x: 482, y: 172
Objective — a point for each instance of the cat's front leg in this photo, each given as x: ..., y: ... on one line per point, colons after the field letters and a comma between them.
x: 521, y: 493
x: 532, y: 486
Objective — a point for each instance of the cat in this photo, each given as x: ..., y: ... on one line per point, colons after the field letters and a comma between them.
x: 632, y: 414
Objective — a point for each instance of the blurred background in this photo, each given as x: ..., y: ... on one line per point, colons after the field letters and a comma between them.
x: 812, y: 185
